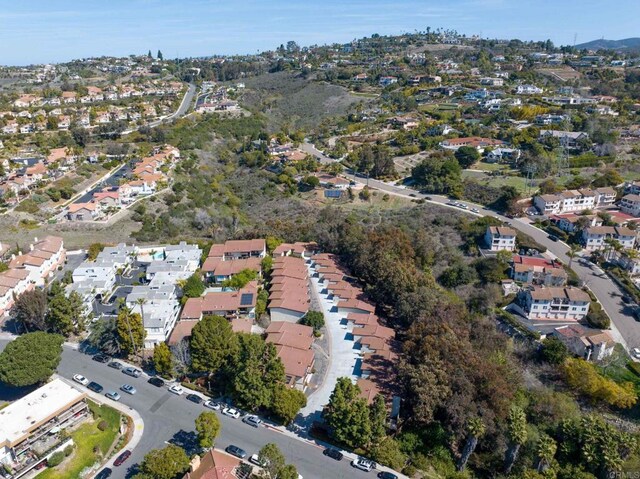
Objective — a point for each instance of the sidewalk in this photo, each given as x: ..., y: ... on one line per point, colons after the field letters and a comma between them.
x: 138, y: 423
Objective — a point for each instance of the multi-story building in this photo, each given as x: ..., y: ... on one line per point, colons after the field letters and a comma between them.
x: 568, y: 139
x: 32, y: 428
x: 539, y: 271
x: 630, y: 204
x: 569, y: 201
x: 555, y: 303
x: 595, y: 237
x: 500, y: 238
x: 42, y: 260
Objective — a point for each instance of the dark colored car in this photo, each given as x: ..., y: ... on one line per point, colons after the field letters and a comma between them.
x: 95, y: 387
x: 236, y: 451
x: 106, y: 472
x: 333, y: 454
x: 133, y: 372
x: 194, y: 398
x: 157, y: 382
x: 115, y: 365
x: 101, y: 358
x: 626, y: 299
x: 121, y: 458
x: 553, y: 237
x: 387, y: 475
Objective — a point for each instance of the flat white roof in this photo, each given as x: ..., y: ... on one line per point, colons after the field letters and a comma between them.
x: 24, y: 415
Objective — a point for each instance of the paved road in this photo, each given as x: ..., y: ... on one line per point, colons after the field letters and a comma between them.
x: 182, y: 109
x: 625, y: 328
x: 166, y: 415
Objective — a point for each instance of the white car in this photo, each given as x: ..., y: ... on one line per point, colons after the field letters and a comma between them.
x: 254, y: 421
x: 635, y: 352
x: 229, y: 411
x: 362, y: 464
x: 212, y: 405
x: 176, y: 389
x: 79, y: 378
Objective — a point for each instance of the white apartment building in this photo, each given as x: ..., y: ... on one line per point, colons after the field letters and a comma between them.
x: 630, y: 204
x: 500, y: 238
x: 594, y: 237
x: 554, y: 303
x: 42, y: 260
x: 569, y: 201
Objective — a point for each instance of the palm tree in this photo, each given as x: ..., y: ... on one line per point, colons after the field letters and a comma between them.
x: 546, y: 450
x: 141, y: 302
x: 572, y: 253
x: 475, y: 430
x: 517, y: 432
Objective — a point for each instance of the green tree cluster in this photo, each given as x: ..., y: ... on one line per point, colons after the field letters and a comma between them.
x: 30, y: 359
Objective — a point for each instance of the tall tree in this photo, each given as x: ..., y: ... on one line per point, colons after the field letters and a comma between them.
x: 213, y: 344
x: 149, y: 55
x: 159, y: 55
x: 545, y: 451
x: 347, y: 414
x: 287, y: 402
x: 193, y: 287
x: 30, y: 359
x: 65, y: 314
x: 517, y: 433
x: 30, y: 309
x: 163, y: 360
x: 208, y: 428
x: 272, y: 460
x: 467, y: 156
x: 165, y: 463
x: 131, y: 332
x: 378, y: 413
x: 475, y: 430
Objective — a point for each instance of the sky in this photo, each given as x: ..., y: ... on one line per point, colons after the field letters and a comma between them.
x: 47, y: 31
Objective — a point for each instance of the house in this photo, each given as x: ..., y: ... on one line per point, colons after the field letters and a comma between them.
x: 589, y: 344
x: 631, y: 264
x: 42, y: 260
x: 528, y: 90
x: 492, y: 81
x: 568, y: 139
x: 13, y: 282
x: 630, y: 204
x: 218, y: 271
x: 502, y: 154
x: 500, y: 238
x: 387, y: 80
x: 239, y: 249
x: 572, y: 222
x: 567, y: 201
x: 293, y: 344
x: 301, y: 250
x: 241, y: 303
x: 474, y: 141
x: 537, y: 270
x: 82, y: 211
x: 554, y: 303
x: 596, y: 237
x: 30, y: 425
x: 214, y: 464
x: 550, y: 119
x: 289, y: 290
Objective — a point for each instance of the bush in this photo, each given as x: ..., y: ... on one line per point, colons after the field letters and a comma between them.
x: 598, y: 319
x: 102, y: 425
x: 55, y: 459
x: 634, y: 367
x: 68, y: 450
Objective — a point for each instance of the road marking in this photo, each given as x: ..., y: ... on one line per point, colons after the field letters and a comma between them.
x: 158, y: 404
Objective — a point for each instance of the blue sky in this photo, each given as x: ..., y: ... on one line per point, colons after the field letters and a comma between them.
x: 38, y: 31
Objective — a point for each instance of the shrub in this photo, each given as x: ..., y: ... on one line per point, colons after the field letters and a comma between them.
x: 55, y: 459
x: 634, y: 367
x: 598, y: 319
x: 102, y: 425
x: 68, y: 450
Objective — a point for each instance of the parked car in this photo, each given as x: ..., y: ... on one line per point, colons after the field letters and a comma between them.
x: 115, y: 365
x: 626, y: 299
x: 254, y: 421
x: 79, y: 378
x: 363, y: 464
x: 635, y: 352
x: 333, y: 453
x: 133, y: 372
x: 95, y: 387
x: 101, y: 358
x: 553, y: 237
x: 128, y: 388
x: 176, y: 389
x: 236, y: 451
x: 255, y: 459
x: 387, y: 475
x: 104, y: 474
x: 212, y: 405
x: 229, y: 411
x: 113, y: 395
x: 121, y: 458
x: 156, y: 381
x: 194, y: 398
x: 475, y: 210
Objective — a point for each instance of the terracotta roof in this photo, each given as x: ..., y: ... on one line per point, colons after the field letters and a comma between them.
x: 375, y: 330
x: 297, y: 362
x: 548, y: 293
x: 241, y: 325
x: 223, y: 302
x: 362, y: 319
x: 231, y: 267
x: 357, y: 304
x: 502, y: 231
x: 368, y: 389
x: 75, y: 207
x: 214, y: 465
x: 181, y: 330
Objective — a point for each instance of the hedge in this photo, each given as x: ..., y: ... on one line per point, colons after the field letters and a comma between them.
x: 634, y: 367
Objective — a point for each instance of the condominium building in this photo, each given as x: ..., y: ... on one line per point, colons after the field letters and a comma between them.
x: 554, y: 303
x: 500, y: 238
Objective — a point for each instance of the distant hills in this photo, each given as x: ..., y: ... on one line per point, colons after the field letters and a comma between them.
x: 602, y: 44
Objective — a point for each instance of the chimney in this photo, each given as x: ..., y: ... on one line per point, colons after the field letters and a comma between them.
x: 195, y: 463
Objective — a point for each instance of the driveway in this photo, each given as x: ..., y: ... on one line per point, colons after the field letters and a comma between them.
x: 343, y: 358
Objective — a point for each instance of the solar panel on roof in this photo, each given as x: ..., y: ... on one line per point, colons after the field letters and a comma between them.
x: 246, y: 299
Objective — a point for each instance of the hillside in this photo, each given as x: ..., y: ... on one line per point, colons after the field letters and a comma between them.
x: 602, y: 44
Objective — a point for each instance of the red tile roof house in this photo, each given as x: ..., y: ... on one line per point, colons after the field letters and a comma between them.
x: 241, y: 303
x: 589, y: 344
x: 42, y: 260
x: 213, y: 465
x: 293, y: 344
x: 289, y: 291
x: 238, y: 249
x: 217, y: 271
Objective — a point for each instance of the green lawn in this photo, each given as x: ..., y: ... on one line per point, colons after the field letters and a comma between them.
x: 86, y: 437
x: 481, y: 165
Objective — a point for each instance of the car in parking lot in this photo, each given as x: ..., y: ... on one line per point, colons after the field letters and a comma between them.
x: 133, y: 372
x: 121, y: 458
x: 212, y: 405
x: 104, y: 474
x: 176, y: 389
x: 254, y: 421
x: 95, y: 387
x: 236, y: 451
x: 101, y: 358
x: 387, y: 475
x: 79, y: 378
x: 156, y: 381
x: 113, y: 395
x: 128, y: 388
x: 194, y: 398
x: 229, y: 411
x: 115, y: 365
x: 635, y: 352
x: 363, y: 464
x: 333, y: 453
